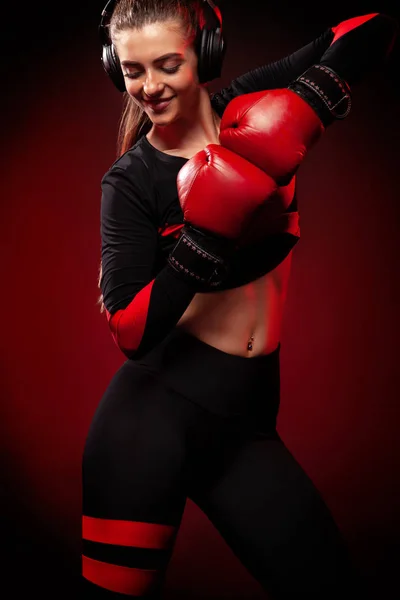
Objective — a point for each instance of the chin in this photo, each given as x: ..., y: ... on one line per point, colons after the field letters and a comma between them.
x: 161, y: 122
x: 164, y: 120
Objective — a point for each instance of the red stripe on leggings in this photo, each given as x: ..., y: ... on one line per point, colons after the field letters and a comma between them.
x: 127, y: 533
x: 124, y: 580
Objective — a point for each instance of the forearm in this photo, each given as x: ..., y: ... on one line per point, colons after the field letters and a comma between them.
x: 360, y: 47
x: 151, y: 314
x: 274, y: 75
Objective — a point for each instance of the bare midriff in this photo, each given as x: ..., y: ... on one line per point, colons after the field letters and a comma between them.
x: 245, y: 321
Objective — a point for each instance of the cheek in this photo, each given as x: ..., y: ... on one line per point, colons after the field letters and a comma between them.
x: 187, y: 82
x: 132, y: 87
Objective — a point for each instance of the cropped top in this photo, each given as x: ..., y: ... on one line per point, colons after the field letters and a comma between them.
x: 141, y: 219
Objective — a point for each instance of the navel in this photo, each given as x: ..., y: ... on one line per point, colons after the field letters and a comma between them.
x: 250, y: 343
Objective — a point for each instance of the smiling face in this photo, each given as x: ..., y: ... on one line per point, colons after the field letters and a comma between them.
x: 160, y: 70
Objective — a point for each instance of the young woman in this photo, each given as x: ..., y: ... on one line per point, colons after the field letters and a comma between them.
x: 198, y: 221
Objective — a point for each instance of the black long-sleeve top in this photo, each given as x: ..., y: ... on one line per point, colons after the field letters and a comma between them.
x: 141, y: 219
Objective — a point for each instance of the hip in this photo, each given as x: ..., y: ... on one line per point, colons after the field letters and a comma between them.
x: 220, y: 382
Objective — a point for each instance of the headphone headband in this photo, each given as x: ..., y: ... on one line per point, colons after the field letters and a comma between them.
x: 106, y: 15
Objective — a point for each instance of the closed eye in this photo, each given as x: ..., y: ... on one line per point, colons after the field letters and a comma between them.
x: 168, y: 70
x: 171, y: 69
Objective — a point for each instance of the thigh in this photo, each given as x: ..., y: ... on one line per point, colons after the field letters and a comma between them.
x: 133, y: 492
x: 275, y: 521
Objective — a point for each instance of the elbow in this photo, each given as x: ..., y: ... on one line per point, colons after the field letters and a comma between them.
x: 125, y: 332
x: 113, y: 322
x: 390, y: 30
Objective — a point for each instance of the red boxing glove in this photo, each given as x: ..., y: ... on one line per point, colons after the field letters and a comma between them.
x: 273, y: 129
x: 219, y: 192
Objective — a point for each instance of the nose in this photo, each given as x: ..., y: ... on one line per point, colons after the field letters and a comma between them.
x: 152, y: 84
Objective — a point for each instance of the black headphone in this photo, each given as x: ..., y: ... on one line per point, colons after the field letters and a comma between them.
x: 210, y: 46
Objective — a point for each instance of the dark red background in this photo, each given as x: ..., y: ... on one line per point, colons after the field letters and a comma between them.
x: 340, y: 372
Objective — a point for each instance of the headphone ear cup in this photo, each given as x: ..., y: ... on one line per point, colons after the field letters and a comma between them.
x: 211, y: 55
x: 112, y: 67
x: 202, y: 57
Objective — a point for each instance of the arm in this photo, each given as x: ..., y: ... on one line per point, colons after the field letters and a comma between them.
x: 373, y: 44
x: 292, y: 119
x: 275, y: 75
x: 360, y: 46
x: 141, y: 308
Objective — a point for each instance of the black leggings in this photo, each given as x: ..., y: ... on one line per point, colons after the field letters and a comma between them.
x: 189, y: 420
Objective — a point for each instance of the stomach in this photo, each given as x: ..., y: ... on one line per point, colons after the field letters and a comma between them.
x: 245, y: 321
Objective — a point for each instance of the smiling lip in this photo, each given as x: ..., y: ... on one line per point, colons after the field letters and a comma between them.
x: 159, y: 105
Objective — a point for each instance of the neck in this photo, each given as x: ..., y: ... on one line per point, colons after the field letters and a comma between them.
x: 186, y: 132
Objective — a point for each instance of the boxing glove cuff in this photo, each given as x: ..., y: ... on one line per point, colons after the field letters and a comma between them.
x: 325, y: 92
x: 201, y: 259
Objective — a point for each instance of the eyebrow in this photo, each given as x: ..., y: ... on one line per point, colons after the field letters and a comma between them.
x: 132, y: 63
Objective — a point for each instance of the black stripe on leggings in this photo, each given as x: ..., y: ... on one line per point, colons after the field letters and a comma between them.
x: 124, y: 556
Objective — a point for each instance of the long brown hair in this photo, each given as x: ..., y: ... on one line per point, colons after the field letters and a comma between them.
x: 134, y: 14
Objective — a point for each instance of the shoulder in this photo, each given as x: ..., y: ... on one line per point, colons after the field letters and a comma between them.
x: 128, y: 185
x: 132, y: 166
